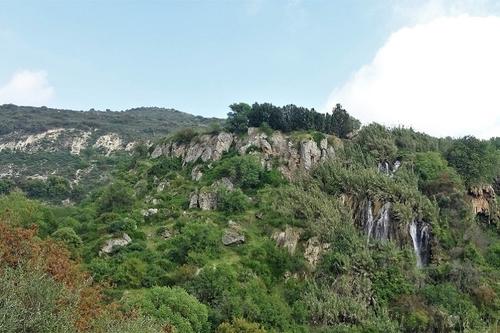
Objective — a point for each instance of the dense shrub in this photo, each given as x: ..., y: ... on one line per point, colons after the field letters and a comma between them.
x: 173, y: 307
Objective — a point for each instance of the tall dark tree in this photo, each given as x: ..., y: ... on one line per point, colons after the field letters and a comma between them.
x: 342, y: 122
x: 237, y: 119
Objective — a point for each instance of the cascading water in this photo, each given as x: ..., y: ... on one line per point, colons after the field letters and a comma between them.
x: 377, y: 228
x: 369, y: 220
x: 382, y: 224
x: 383, y: 167
x: 419, y: 232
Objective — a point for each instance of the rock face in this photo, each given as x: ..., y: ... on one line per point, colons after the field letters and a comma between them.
x: 109, y: 143
x: 113, y: 243
x: 314, y: 250
x: 292, y: 155
x: 207, y: 198
x: 204, y: 200
x: 196, y: 173
x: 287, y: 239
x: 481, y: 198
x: 63, y: 139
x: 233, y: 235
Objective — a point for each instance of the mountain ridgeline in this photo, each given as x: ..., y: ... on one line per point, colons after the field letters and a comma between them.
x: 278, y: 219
x: 77, y: 149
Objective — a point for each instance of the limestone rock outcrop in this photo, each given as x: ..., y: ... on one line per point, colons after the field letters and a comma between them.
x: 291, y: 154
x: 113, y: 243
x: 481, y: 198
x: 314, y: 250
x: 207, y: 198
x: 233, y: 235
x: 287, y: 239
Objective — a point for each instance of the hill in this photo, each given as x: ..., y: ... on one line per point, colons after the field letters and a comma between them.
x: 81, y: 146
x: 305, y: 228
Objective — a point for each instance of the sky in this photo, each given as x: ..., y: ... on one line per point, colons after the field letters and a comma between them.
x: 433, y: 65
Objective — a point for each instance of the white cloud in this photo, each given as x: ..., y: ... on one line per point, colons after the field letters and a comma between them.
x: 441, y: 77
x: 27, y: 88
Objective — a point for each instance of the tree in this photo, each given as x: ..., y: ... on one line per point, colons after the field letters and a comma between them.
x: 435, y: 174
x: 68, y: 236
x: 475, y: 160
x: 237, y: 119
x: 117, y: 197
x: 342, y: 122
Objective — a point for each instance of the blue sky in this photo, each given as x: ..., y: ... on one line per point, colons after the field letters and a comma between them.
x: 201, y: 56
x: 197, y: 56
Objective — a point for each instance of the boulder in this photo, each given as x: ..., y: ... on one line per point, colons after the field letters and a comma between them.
x: 113, y: 243
x: 193, y: 200
x: 196, y: 173
x: 233, y: 235
x: 287, y: 239
x: 149, y: 212
x: 204, y: 200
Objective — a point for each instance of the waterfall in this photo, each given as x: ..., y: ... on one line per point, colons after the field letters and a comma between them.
x: 383, y: 167
x: 416, y: 245
x: 377, y: 228
x: 369, y: 220
x: 419, y: 232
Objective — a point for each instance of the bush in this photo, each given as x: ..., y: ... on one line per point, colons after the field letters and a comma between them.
x: 68, y: 236
x: 173, y: 307
x: 184, y: 135
x: 231, y: 201
x: 239, y: 325
x: 117, y: 197
x: 31, y: 302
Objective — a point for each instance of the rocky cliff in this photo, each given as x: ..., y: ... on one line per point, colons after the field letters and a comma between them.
x: 287, y: 153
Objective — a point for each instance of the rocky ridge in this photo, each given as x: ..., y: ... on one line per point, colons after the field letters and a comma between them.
x: 288, y: 153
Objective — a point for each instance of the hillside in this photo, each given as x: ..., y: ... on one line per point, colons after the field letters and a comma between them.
x: 285, y: 220
x: 80, y: 146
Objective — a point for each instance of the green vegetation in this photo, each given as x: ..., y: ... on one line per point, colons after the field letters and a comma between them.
x: 290, y: 118
x: 303, y: 260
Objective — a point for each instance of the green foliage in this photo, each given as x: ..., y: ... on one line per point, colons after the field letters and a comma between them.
x: 244, y: 171
x: 68, y: 236
x: 164, y: 165
x: 239, y: 325
x: 132, y: 272
x: 23, y: 212
x: 174, y: 307
x: 231, y: 201
x: 475, y: 160
x: 237, y: 119
x: 289, y: 118
x: 196, y: 242
x: 6, y: 185
x: 377, y: 141
x: 435, y: 176
x: 454, y: 303
x: 184, y: 135
x: 342, y: 122
x: 493, y: 255
x: 30, y: 303
x: 117, y: 197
